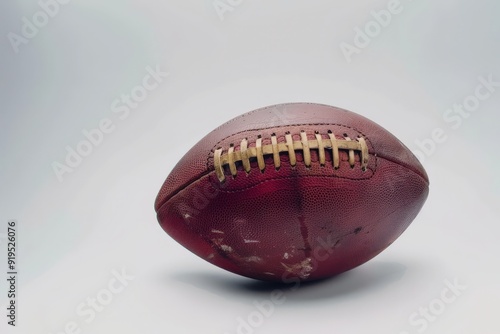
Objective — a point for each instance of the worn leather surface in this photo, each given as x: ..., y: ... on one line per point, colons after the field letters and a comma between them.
x: 295, y: 222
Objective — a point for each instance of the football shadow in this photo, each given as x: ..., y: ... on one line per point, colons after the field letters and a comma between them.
x: 369, y: 277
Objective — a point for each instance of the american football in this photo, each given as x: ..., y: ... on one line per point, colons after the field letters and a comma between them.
x: 297, y: 191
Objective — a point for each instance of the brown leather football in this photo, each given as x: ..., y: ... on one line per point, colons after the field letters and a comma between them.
x: 292, y: 192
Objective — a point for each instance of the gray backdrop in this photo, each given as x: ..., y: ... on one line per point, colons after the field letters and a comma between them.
x: 100, y: 100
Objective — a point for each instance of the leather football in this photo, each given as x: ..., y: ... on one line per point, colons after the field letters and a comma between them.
x: 292, y: 192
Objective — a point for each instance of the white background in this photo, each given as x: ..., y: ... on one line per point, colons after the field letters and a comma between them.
x: 75, y: 232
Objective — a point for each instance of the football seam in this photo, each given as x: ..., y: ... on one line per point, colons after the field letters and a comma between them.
x: 315, y: 176
x: 210, y: 156
x: 207, y: 173
x: 208, y: 170
x: 407, y: 166
x: 180, y: 190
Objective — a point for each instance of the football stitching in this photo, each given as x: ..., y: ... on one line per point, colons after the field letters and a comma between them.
x: 212, y: 151
x: 292, y: 177
x: 305, y: 145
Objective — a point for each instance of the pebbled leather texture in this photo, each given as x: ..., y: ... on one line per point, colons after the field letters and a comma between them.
x: 293, y: 223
